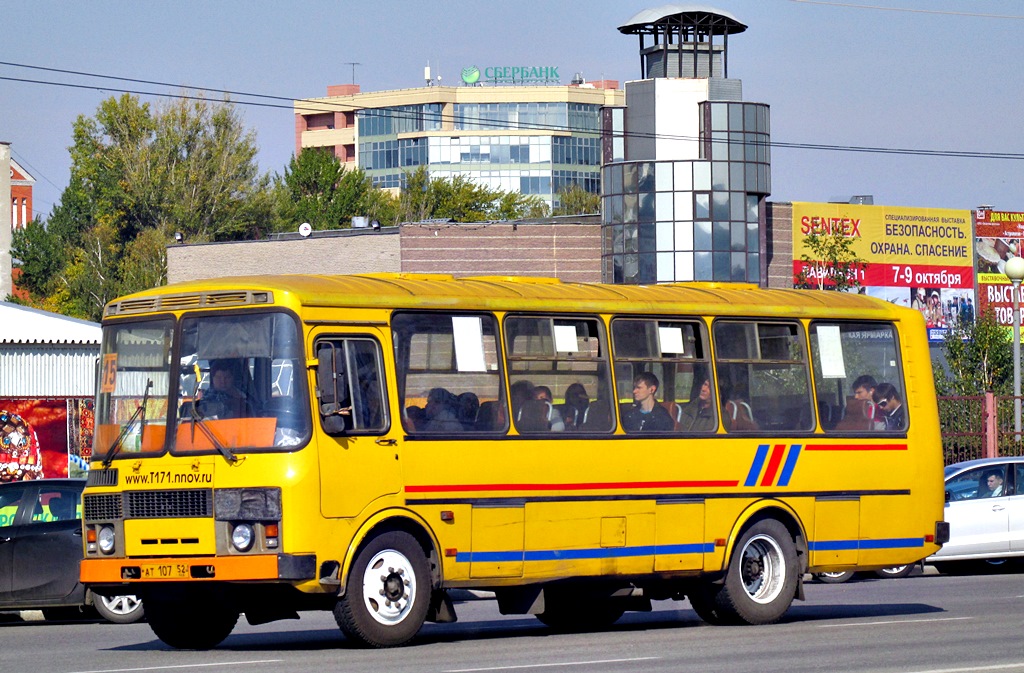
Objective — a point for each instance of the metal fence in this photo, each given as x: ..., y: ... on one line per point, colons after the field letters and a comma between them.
x: 978, y: 426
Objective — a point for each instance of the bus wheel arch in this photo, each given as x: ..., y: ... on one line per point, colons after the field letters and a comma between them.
x: 765, y: 561
x: 393, y: 521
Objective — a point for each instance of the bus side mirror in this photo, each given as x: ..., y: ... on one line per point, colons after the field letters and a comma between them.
x: 332, y: 388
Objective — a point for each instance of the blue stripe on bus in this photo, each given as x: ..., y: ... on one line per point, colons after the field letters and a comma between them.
x: 580, y: 554
x: 787, y: 469
x: 755, y: 469
x: 845, y: 545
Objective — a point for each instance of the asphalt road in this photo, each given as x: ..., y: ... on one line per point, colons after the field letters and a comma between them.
x: 919, y: 624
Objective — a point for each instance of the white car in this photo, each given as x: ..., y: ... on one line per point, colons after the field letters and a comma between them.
x: 984, y: 512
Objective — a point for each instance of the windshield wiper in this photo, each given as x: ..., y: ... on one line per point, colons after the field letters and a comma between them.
x: 199, y: 422
x: 140, y: 412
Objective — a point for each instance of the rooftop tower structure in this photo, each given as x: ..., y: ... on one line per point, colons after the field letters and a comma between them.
x: 686, y: 164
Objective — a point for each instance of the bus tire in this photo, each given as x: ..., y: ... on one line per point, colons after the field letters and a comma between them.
x: 895, y: 571
x: 834, y: 577
x: 703, y: 601
x: 194, y: 620
x: 388, y: 592
x: 761, y: 581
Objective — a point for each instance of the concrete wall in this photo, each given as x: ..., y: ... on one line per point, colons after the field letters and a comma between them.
x: 350, y: 251
x: 569, y: 250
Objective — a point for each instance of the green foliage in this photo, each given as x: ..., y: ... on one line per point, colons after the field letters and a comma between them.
x: 979, y: 356
x: 574, y: 200
x: 462, y: 200
x: 832, y: 263
x: 317, y: 189
x: 139, y: 175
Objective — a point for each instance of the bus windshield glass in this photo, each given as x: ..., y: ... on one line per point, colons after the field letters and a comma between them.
x: 131, y: 410
x: 240, y: 384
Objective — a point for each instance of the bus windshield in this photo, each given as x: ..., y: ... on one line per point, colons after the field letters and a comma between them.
x: 236, y: 385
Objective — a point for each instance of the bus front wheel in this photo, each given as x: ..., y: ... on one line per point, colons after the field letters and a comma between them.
x: 388, y: 592
x: 191, y: 620
x: 761, y: 581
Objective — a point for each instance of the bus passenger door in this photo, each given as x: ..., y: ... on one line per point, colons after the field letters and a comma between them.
x: 358, y: 446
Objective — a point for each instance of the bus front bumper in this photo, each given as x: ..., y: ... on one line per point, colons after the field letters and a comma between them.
x: 265, y: 567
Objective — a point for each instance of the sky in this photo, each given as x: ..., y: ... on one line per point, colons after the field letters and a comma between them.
x: 941, y: 76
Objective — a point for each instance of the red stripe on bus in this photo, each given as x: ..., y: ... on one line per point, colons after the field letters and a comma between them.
x: 629, y: 485
x: 855, y: 447
x: 773, y: 464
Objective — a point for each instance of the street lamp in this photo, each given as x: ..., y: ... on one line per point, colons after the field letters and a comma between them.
x: 1014, y: 270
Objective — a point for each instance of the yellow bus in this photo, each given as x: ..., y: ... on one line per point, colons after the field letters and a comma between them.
x: 362, y: 444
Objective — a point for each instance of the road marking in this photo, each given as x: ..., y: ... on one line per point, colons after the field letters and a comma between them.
x: 971, y: 669
x: 891, y: 621
x: 567, y: 663
x: 167, y: 668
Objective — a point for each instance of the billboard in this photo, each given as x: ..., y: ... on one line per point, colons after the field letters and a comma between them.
x: 45, y: 438
x: 1000, y: 236
x: 922, y: 258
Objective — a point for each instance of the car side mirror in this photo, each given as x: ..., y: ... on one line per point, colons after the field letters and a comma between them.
x: 949, y: 496
x: 332, y: 387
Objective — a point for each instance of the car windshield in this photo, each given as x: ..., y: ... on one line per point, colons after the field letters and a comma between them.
x: 237, y: 385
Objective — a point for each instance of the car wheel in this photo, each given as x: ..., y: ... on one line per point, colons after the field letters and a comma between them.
x: 388, y: 592
x: 834, y: 577
x: 119, y: 609
x: 895, y: 571
x: 761, y: 581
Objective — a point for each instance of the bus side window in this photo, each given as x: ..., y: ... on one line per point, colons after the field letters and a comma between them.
x: 850, y: 360
x: 763, y: 377
x: 350, y: 383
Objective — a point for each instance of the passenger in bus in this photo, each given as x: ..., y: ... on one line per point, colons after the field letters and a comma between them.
x: 887, y: 398
x: 574, y: 411
x: 554, y: 419
x: 864, y: 389
x: 518, y: 393
x: 468, y: 406
x: 441, y: 412
x: 222, y: 399
x: 698, y: 415
x: 646, y: 415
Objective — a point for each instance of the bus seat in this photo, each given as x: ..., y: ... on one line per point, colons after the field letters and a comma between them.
x: 597, y: 417
x: 674, y: 411
x: 738, y: 417
x: 533, y: 417
x: 491, y: 416
x: 859, y: 416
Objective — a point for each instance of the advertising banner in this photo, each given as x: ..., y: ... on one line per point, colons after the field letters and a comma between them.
x: 922, y: 258
x: 45, y: 438
x: 1000, y: 236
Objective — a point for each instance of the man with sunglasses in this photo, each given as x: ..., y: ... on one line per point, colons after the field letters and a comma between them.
x: 887, y: 398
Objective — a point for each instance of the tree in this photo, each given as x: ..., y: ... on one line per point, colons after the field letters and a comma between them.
x: 979, y: 358
x: 139, y: 175
x: 832, y: 263
x: 316, y: 188
x: 462, y: 200
x: 574, y: 200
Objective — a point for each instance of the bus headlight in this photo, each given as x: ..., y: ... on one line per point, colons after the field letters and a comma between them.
x: 242, y: 537
x: 105, y: 539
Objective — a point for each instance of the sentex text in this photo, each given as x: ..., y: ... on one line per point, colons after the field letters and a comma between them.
x: 827, y: 225
x: 168, y: 477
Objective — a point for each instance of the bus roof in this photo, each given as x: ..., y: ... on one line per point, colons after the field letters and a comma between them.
x: 415, y: 290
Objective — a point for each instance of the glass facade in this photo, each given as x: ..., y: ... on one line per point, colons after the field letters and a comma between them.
x: 523, y: 155
x: 700, y: 219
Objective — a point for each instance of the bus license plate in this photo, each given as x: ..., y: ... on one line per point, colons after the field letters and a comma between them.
x: 165, y: 571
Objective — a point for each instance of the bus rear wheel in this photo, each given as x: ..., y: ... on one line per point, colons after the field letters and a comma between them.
x: 193, y: 620
x: 760, y: 583
x: 388, y: 592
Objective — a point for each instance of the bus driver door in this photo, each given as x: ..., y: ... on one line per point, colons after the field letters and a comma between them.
x: 358, y: 460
